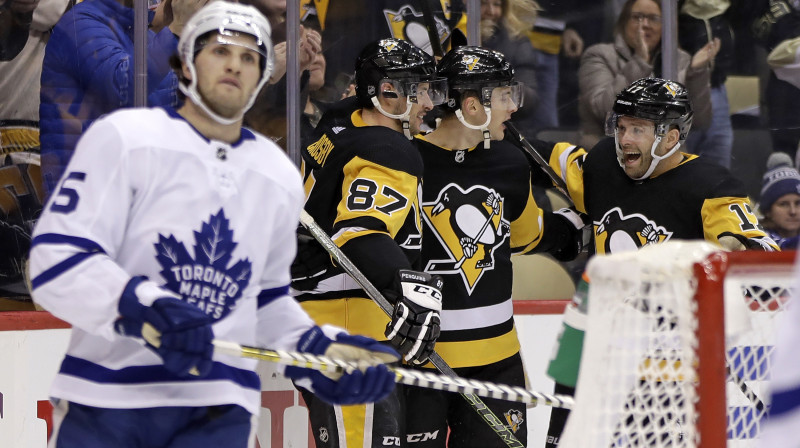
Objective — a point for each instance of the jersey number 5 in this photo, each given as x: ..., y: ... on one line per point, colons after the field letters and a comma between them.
x: 361, y: 197
x: 67, y: 198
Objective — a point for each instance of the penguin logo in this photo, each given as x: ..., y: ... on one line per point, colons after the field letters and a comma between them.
x: 387, y: 45
x: 470, y: 62
x: 616, y: 232
x: 469, y: 226
x: 671, y: 88
x: 514, y: 419
x: 408, y: 24
x: 323, y: 434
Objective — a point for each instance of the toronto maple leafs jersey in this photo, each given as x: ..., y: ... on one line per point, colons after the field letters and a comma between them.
x: 695, y: 200
x: 147, y: 195
x: 477, y: 209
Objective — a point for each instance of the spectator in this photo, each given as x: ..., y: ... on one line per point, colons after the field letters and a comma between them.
x: 777, y: 28
x: 780, y: 201
x: 503, y: 27
x: 88, y: 71
x: 699, y: 23
x: 19, y: 141
x: 15, y: 21
x: 607, y: 68
x: 552, y: 35
x: 313, y: 109
x: 268, y: 114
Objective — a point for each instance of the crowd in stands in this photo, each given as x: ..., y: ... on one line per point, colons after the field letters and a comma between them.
x: 63, y: 64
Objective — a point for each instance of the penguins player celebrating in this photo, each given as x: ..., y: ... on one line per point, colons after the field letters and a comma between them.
x: 362, y: 179
x: 153, y: 227
x: 638, y: 188
x: 478, y: 209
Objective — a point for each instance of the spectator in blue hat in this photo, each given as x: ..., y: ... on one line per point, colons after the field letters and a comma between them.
x: 780, y: 201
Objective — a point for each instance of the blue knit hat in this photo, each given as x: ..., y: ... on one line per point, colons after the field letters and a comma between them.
x: 781, y: 178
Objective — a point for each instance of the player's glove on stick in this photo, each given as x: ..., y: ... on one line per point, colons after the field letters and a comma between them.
x: 415, y: 322
x: 183, y: 336
x: 371, y: 382
x: 578, y: 234
x: 311, y: 264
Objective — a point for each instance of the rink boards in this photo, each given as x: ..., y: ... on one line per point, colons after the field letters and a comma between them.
x: 32, y: 344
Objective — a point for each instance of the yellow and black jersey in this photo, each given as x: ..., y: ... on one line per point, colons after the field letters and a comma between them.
x: 477, y: 208
x: 362, y: 187
x: 695, y: 200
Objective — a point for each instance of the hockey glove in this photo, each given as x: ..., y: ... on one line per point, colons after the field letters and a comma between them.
x: 180, y: 333
x: 578, y: 231
x: 371, y: 382
x: 311, y: 264
x: 415, y: 322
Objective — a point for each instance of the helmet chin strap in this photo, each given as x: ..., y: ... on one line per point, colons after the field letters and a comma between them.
x: 191, y: 92
x: 404, y: 117
x: 487, y: 136
x: 653, y: 163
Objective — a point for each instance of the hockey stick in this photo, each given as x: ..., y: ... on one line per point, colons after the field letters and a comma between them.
x: 526, y: 146
x: 749, y: 393
x: 341, y: 259
x: 404, y: 376
x: 430, y: 26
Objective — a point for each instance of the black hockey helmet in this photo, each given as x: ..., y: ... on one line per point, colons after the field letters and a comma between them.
x: 664, y: 102
x: 395, y: 60
x: 478, y: 69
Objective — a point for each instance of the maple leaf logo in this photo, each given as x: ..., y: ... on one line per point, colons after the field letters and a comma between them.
x: 208, y: 279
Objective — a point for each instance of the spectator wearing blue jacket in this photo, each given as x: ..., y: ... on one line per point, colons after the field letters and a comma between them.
x: 88, y: 71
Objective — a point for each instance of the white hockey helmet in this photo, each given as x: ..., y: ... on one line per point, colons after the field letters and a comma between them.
x: 227, y: 19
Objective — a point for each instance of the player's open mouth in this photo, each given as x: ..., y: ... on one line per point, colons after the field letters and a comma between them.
x: 631, y: 157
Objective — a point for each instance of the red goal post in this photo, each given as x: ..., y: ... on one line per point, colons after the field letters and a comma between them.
x: 677, y: 347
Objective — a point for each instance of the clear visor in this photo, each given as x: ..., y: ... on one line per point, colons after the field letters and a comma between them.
x: 637, y: 129
x: 504, y: 97
x: 434, y: 91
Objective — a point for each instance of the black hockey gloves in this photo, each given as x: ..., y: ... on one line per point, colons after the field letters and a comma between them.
x: 311, y: 264
x: 179, y: 332
x: 576, y: 233
x: 372, y: 382
x: 415, y: 321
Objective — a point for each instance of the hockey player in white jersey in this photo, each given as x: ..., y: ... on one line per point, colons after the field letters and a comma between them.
x: 183, y: 221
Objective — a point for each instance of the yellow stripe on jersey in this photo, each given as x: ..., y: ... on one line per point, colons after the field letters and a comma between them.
x: 547, y: 42
x: 373, y: 190
x: 479, y: 352
x: 567, y: 161
x: 526, y: 231
x: 732, y: 215
x: 356, y: 315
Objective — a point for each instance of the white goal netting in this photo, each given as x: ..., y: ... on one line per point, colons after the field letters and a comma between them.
x: 658, y: 370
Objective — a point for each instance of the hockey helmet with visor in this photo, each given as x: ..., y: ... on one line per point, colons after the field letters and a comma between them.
x: 486, y: 73
x: 409, y: 70
x: 664, y: 103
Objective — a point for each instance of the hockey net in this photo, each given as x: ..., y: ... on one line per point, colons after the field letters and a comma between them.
x: 677, y: 347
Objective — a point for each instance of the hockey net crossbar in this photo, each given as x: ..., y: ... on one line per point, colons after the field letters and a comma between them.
x: 677, y: 347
